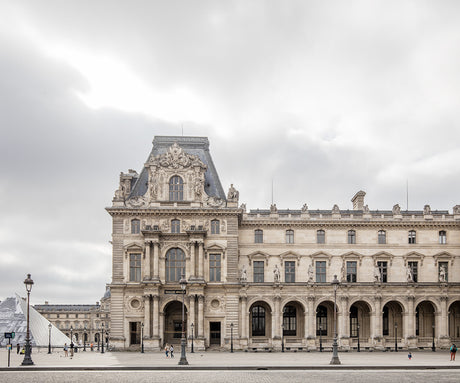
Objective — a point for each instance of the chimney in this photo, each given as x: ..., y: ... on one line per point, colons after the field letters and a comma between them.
x: 46, y: 302
x: 358, y: 200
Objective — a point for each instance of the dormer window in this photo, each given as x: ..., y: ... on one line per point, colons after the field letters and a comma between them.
x: 175, y: 226
x: 176, y: 189
x: 135, y: 226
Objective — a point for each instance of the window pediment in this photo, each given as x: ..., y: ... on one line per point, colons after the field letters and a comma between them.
x: 215, y: 247
x: 352, y: 256
x: 257, y: 256
x: 413, y: 256
x: 321, y: 255
x: 383, y: 256
x: 443, y: 256
x: 290, y: 255
x: 133, y: 247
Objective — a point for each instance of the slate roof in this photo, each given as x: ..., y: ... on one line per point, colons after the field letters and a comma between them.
x: 198, y: 146
x: 65, y: 307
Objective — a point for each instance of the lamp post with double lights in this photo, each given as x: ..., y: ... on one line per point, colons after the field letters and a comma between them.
x: 320, y: 338
x: 49, y: 339
x: 142, y: 338
x: 71, y: 341
x: 192, y: 338
x: 335, y: 355
x: 27, y: 358
x: 231, y: 337
x: 433, y: 347
x: 84, y: 339
x: 396, y: 336
x: 102, y: 338
x: 183, y: 358
x: 358, y: 338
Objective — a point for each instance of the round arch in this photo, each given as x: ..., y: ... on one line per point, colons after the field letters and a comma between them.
x: 425, y: 319
x: 403, y: 305
x: 172, y: 316
x: 454, y: 321
x: 259, y: 299
x: 293, y: 318
x: 364, y: 301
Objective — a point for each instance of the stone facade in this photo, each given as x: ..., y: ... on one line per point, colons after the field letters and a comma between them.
x: 262, y: 279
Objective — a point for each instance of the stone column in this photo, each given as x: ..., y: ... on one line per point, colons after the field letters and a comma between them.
x: 410, y: 332
x: 376, y: 323
x: 276, y: 318
x: 147, y: 333
x: 162, y: 329
x: 156, y: 263
x: 147, y: 264
x: 344, y: 321
x: 244, y: 319
x: 192, y: 312
x: 200, y: 260
x: 156, y: 313
x: 192, y: 261
x: 310, y: 326
x: 441, y: 328
x: 200, y: 316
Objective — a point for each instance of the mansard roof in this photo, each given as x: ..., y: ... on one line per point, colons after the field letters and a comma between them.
x: 198, y: 146
x: 69, y: 308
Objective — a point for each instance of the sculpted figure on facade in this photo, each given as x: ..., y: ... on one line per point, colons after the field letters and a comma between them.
x: 335, y: 209
x: 277, y: 274
x: 311, y: 273
x: 377, y: 276
x: 273, y: 208
x: 366, y: 209
x: 243, y: 206
x: 442, y: 274
x: 396, y: 209
x: 305, y: 208
x: 214, y: 202
x: 427, y: 210
x: 456, y: 209
x: 244, y: 275
x: 233, y: 194
x: 409, y: 275
x: 343, y: 275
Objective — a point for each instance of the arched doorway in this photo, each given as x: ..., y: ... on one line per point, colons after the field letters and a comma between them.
x: 454, y: 322
x: 293, y: 324
x: 360, y: 324
x: 260, y: 322
x: 173, y: 322
x: 425, y: 323
x: 325, y: 323
x: 392, y: 323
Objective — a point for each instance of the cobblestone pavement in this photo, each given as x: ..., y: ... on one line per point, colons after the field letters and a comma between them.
x: 374, y: 376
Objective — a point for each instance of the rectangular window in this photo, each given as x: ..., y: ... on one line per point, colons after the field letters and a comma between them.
x: 382, y: 237
x: 353, y: 327
x: 214, y: 267
x: 135, y: 267
x: 289, y: 271
x: 351, y: 271
x: 351, y: 237
x: 289, y: 236
x: 443, y: 274
x: 258, y: 236
x: 320, y: 236
x: 215, y: 226
x: 135, y: 226
x: 321, y: 271
x: 383, y: 270
x: 411, y: 237
x: 413, y: 266
x: 442, y: 237
x: 258, y: 269
x: 175, y: 226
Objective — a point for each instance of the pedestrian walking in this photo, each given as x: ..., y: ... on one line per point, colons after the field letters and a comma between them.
x: 92, y: 346
x: 66, y: 350
x: 409, y: 355
x: 171, y: 351
x: 18, y: 348
x: 166, y: 350
x: 453, y: 351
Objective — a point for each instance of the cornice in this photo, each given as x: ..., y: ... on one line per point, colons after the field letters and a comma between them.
x: 125, y: 211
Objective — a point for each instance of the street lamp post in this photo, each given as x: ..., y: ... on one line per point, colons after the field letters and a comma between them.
x: 84, y: 339
x: 183, y: 358
x: 231, y: 337
x: 27, y: 358
x: 335, y: 356
x: 358, y: 339
x: 396, y: 336
x: 192, y: 337
x: 49, y: 340
x: 282, y: 337
x: 107, y: 336
x: 71, y: 341
x: 142, y: 338
x: 433, y: 347
x: 102, y: 338
x: 320, y: 338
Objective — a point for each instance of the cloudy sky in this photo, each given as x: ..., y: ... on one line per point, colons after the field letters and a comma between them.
x: 324, y: 97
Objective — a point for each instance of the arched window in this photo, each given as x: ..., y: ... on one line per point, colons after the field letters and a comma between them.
x: 258, y: 236
x: 135, y: 226
x: 289, y: 236
x: 175, y: 264
x: 176, y: 189
x: 175, y: 226
x: 320, y: 236
x: 411, y: 236
x: 215, y: 226
x: 382, y: 237
x: 351, y: 237
x: 258, y: 321
x: 321, y: 320
x: 289, y: 320
x: 442, y: 237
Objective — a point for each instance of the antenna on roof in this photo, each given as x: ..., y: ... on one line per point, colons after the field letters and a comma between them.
x: 182, y: 126
x: 272, y: 191
x: 407, y: 194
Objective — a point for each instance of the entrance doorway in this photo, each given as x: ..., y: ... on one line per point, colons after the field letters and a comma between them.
x: 135, y: 332
x: 214, y: 329
x: 173, y: 323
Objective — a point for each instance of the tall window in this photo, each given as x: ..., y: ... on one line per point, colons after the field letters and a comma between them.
x: 320, y: 271
x: 442, y: 237
x: 413, y: 266
x: 258, y: 271
x: 351, y: 236
x: 135, y: 267
x: 382, y: 237
x: 258, y: 321
x: 289, y: 271
x: 353, y: 321
x: 175, y: 264
x: 289, y: 320
x: 385, y: 326
x: 411, y: 237
x: 176, y: 189
x: 289, y: 236
x: 175, y: 226
x: 215, y: 226
x: 214, y: 267
x: 321, y: 321
x: 258, y: 236
x: 351, y: 271
x: 135, y: 226
x: 320, y: 236
x: 383, y: 269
